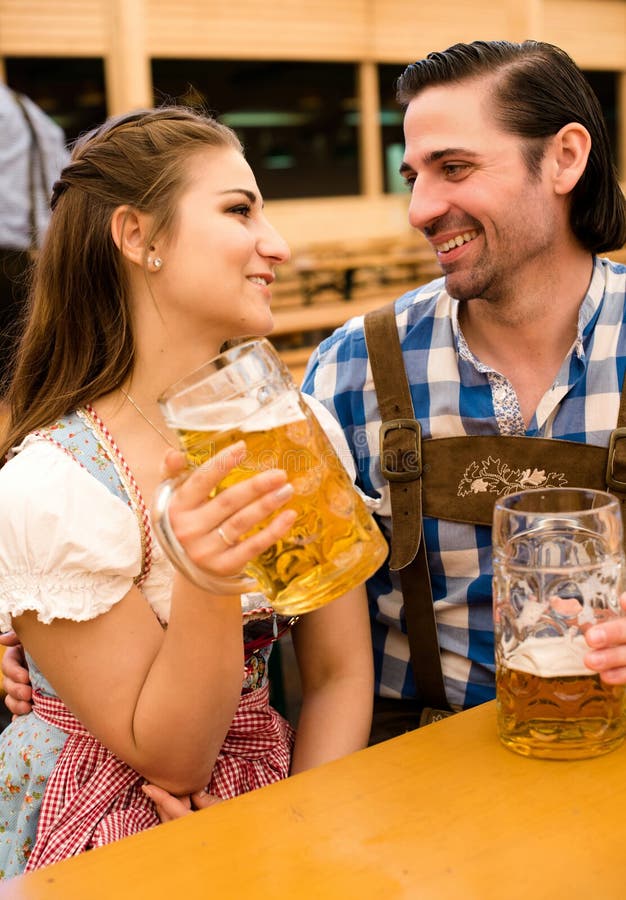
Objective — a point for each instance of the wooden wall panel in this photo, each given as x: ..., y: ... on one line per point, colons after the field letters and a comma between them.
x: 261, y: 29
x: 592, y: 31
x: 59, y: 28
x: 405, y: 30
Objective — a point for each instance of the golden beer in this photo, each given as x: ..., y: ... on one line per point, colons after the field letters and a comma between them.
x: 334, y: 544
x: 558, y: 569
x: 570, y: 715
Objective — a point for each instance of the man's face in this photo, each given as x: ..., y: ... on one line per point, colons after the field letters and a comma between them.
x: 488, y: 219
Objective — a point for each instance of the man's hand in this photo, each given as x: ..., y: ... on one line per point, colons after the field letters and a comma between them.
x: 16, y: 681
x: 608, y: 645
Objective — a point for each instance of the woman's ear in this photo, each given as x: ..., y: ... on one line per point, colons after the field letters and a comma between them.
x: 129, y: 230
x: 571, y: 146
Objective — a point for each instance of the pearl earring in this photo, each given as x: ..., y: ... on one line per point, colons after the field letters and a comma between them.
x: 158, y: 262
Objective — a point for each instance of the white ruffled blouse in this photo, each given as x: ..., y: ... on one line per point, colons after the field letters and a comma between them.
x: 69, y: 547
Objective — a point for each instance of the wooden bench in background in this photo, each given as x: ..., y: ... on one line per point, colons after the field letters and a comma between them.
x: 297, y: 331
x: 344, y: 268
x: 325, y: 284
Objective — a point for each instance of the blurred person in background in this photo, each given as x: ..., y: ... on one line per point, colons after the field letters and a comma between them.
x: 32, y: 154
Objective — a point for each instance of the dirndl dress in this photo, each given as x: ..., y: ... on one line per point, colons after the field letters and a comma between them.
x: 61, y: 791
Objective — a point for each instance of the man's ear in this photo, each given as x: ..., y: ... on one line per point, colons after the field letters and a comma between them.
x: 129, y: 230
x: 571, y: 146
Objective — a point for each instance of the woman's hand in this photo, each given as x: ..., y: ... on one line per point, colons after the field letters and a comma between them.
x: 170, y: 807
x: 608, y: 648
x: 16, y: 680
x: 222, y: 534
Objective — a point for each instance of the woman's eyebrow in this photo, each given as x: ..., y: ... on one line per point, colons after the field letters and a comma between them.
x: 252, y: 197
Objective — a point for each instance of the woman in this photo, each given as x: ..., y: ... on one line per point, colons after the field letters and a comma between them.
x: 158, y: 252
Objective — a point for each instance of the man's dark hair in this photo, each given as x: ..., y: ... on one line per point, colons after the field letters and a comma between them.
x: 537, y: 89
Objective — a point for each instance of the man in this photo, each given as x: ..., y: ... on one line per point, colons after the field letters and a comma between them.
x: 512, y: 184
x: 32, y: 154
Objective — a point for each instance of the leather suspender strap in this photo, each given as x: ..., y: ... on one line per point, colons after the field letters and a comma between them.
x: 400, y: 456
x: 400, y: 434
x: 421, y: 628
x: 36, y: 170
x: 615, y: 475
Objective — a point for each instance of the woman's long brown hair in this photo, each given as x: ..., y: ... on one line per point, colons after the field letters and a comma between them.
x: 78, y: 342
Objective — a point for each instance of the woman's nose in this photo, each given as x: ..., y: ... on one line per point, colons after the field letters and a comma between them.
x: 272, y: 244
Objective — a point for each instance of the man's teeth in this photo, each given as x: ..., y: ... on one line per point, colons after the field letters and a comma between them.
x: 456, y: 241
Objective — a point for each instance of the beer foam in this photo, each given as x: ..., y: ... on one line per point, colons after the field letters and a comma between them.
x: 550, y: 657
x: 243, y: 414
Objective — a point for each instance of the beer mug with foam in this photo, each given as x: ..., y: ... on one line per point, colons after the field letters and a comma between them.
x: 558, y: 569
x: 247, y: 393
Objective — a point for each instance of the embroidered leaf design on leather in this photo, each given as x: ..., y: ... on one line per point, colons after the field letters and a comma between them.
x: 494, y: 476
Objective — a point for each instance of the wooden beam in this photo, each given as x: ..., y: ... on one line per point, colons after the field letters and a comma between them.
x: 525, y: 20
x: 127, y: 65
x: 370, y: 150
x: 621, y: 125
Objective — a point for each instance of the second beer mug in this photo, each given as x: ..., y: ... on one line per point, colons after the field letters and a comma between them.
x: 247, y: 393
x: 558, y: 563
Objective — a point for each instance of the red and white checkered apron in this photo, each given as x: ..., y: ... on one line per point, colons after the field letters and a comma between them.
x: 92, y: 798
x: 256, y: 750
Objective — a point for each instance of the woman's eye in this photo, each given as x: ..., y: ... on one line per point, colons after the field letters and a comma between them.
x: 242, y: 209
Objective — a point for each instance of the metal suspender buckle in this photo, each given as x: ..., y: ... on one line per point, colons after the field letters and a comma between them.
x: 401, y: 455
x: 611, y: 481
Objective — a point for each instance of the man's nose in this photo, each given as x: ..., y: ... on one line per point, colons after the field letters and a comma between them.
x: 428, y: 203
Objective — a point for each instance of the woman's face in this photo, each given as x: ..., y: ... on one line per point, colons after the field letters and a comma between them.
x: 220, y: 260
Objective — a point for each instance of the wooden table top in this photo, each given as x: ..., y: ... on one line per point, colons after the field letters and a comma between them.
x: 442, y: 813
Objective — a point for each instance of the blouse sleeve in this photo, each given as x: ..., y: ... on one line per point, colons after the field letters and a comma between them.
x: 69, y: 548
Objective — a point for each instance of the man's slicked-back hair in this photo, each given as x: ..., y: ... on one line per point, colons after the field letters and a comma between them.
x: 536, y: 89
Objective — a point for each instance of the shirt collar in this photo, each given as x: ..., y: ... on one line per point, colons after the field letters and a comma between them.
x: 587, y: 312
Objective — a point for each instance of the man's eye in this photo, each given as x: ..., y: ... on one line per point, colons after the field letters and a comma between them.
x: 454, y: 169
x: 409, y: 181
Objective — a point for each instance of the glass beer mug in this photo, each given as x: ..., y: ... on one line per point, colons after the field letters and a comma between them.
x: 247, y: 393
x: 558, y: 569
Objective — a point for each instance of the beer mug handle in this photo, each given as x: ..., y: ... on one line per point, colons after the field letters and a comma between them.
x: 175, y: 552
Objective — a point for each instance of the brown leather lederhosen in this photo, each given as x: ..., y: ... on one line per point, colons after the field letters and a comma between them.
x: 456, y: 479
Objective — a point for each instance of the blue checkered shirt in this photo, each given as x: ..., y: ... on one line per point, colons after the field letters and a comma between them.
x: 454, y: 394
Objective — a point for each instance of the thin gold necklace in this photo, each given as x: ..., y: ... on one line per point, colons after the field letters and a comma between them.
x: 149, y: 421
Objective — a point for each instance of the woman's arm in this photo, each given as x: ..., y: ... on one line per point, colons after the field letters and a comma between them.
x: 334, y: 652
x: 162, y: 700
